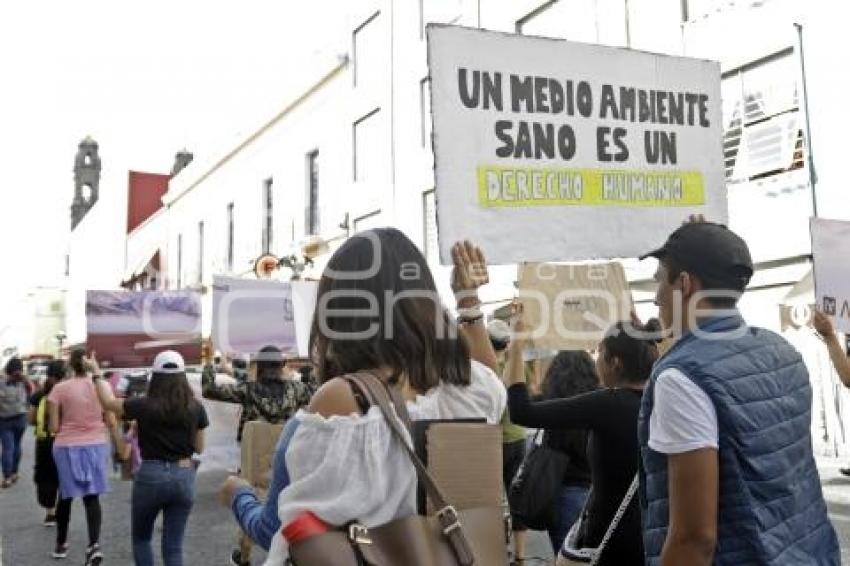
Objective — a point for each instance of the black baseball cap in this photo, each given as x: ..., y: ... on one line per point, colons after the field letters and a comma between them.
x: 711, y: 251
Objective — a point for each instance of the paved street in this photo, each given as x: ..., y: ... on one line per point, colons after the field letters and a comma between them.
x: 211, y: 532
x: 210, y: 535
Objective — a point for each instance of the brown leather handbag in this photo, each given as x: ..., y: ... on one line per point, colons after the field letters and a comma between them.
x: 449, y: 537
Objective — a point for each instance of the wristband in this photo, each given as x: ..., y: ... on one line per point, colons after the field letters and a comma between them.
x: 471, y: 313
x: 470, y: 320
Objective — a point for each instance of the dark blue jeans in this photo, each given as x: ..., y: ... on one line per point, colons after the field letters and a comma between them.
x: 161, y: 487
x: 570, y: 504
x: 11, y: 433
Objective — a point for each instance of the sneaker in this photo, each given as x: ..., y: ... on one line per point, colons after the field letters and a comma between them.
x: 50, y: 520
x: 93, y: 555
x: 236, y: 559
x: 60, y: 552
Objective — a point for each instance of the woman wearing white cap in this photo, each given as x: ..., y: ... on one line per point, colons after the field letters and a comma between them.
x: 171, y: 425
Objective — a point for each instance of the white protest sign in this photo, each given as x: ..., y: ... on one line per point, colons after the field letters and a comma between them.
x: 831, y: 251
x: 548, y: 150
x: 251, y: 313
x: 569, y: 307
x: 304, y: 304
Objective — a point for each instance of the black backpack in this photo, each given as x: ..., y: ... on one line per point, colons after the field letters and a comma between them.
x: 534, y: 490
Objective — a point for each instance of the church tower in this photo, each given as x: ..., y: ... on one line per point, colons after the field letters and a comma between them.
x: 181, y: 160
x: 86, y: 180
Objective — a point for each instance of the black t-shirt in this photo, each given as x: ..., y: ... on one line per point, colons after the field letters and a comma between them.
x: 160, y: 439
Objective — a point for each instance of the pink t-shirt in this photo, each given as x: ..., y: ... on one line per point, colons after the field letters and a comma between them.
x: 80, y: 416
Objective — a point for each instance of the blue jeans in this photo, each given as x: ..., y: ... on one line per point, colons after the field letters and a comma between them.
x: 167, y: 487
x: 11, y: 433
x: 570, y: 504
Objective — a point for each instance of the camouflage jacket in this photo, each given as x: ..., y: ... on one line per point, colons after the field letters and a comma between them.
x: 270, y: 401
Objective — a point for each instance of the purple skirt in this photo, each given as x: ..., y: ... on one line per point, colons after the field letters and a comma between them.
x: 82, y: 469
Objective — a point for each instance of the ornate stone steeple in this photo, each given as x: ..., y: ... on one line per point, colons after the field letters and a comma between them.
x: 181, y: 160
x: 86, y: 180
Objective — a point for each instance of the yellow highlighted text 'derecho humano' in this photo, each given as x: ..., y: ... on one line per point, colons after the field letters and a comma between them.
x: 523, y: 187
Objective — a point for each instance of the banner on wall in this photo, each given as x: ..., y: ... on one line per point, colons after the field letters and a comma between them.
x: 570, y: 307
x: 251, y: 313
x: 831, y: 248
x: 576, y: 151
x: 126, y: 329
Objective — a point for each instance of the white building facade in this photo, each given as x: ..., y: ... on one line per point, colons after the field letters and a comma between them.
x: 352, y: 149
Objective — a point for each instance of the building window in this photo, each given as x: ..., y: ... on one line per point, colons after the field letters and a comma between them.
x: 429, y: 225
x: 763, y: 129
x: 200, y: 252
x: 229, y: 255
x: 311, y: 210
x: 367, y: 51
x: 179, y: 261
x: 369, y: 159
x: 268, y: 217
x: 425, y: 110
x: 438, y: 12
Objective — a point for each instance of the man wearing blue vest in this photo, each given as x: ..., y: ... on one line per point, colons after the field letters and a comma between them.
x: 728, y: 476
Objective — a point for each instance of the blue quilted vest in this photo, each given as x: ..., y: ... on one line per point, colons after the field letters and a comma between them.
x: 771, y: 508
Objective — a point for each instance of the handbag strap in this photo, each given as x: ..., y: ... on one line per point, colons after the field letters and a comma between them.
x: 627, y: 499
x: 382, y: 395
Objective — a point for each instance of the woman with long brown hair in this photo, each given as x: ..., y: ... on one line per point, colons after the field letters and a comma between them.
x: 377, y: 311
x: 171, y: 425
x: 609, y: 415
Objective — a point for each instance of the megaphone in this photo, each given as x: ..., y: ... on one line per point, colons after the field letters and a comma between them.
x: 265, y: 265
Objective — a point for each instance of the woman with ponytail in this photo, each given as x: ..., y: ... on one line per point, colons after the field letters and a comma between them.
x: 610, y: 416
x: 81, y: 451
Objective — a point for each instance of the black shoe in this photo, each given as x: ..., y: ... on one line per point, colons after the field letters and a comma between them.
x: 93, y: 555
x: 60, y: 552
x: 236, y: 559
x: 50, y: 520
x: 844, y: 471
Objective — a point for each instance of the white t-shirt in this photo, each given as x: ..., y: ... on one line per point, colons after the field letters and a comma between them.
x: 683, y: 417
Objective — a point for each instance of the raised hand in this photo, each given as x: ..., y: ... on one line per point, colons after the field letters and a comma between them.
x: 823, y: 325
x: 469, y: 273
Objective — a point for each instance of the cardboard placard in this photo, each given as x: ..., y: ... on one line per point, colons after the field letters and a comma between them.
x: 569, y: 307
x: 259, y: 440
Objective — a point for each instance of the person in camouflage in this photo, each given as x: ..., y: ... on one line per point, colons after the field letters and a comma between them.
x: 270, y: 398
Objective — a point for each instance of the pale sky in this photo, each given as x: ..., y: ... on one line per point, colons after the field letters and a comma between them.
x: 143, y: 79
x: 147, y: 79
